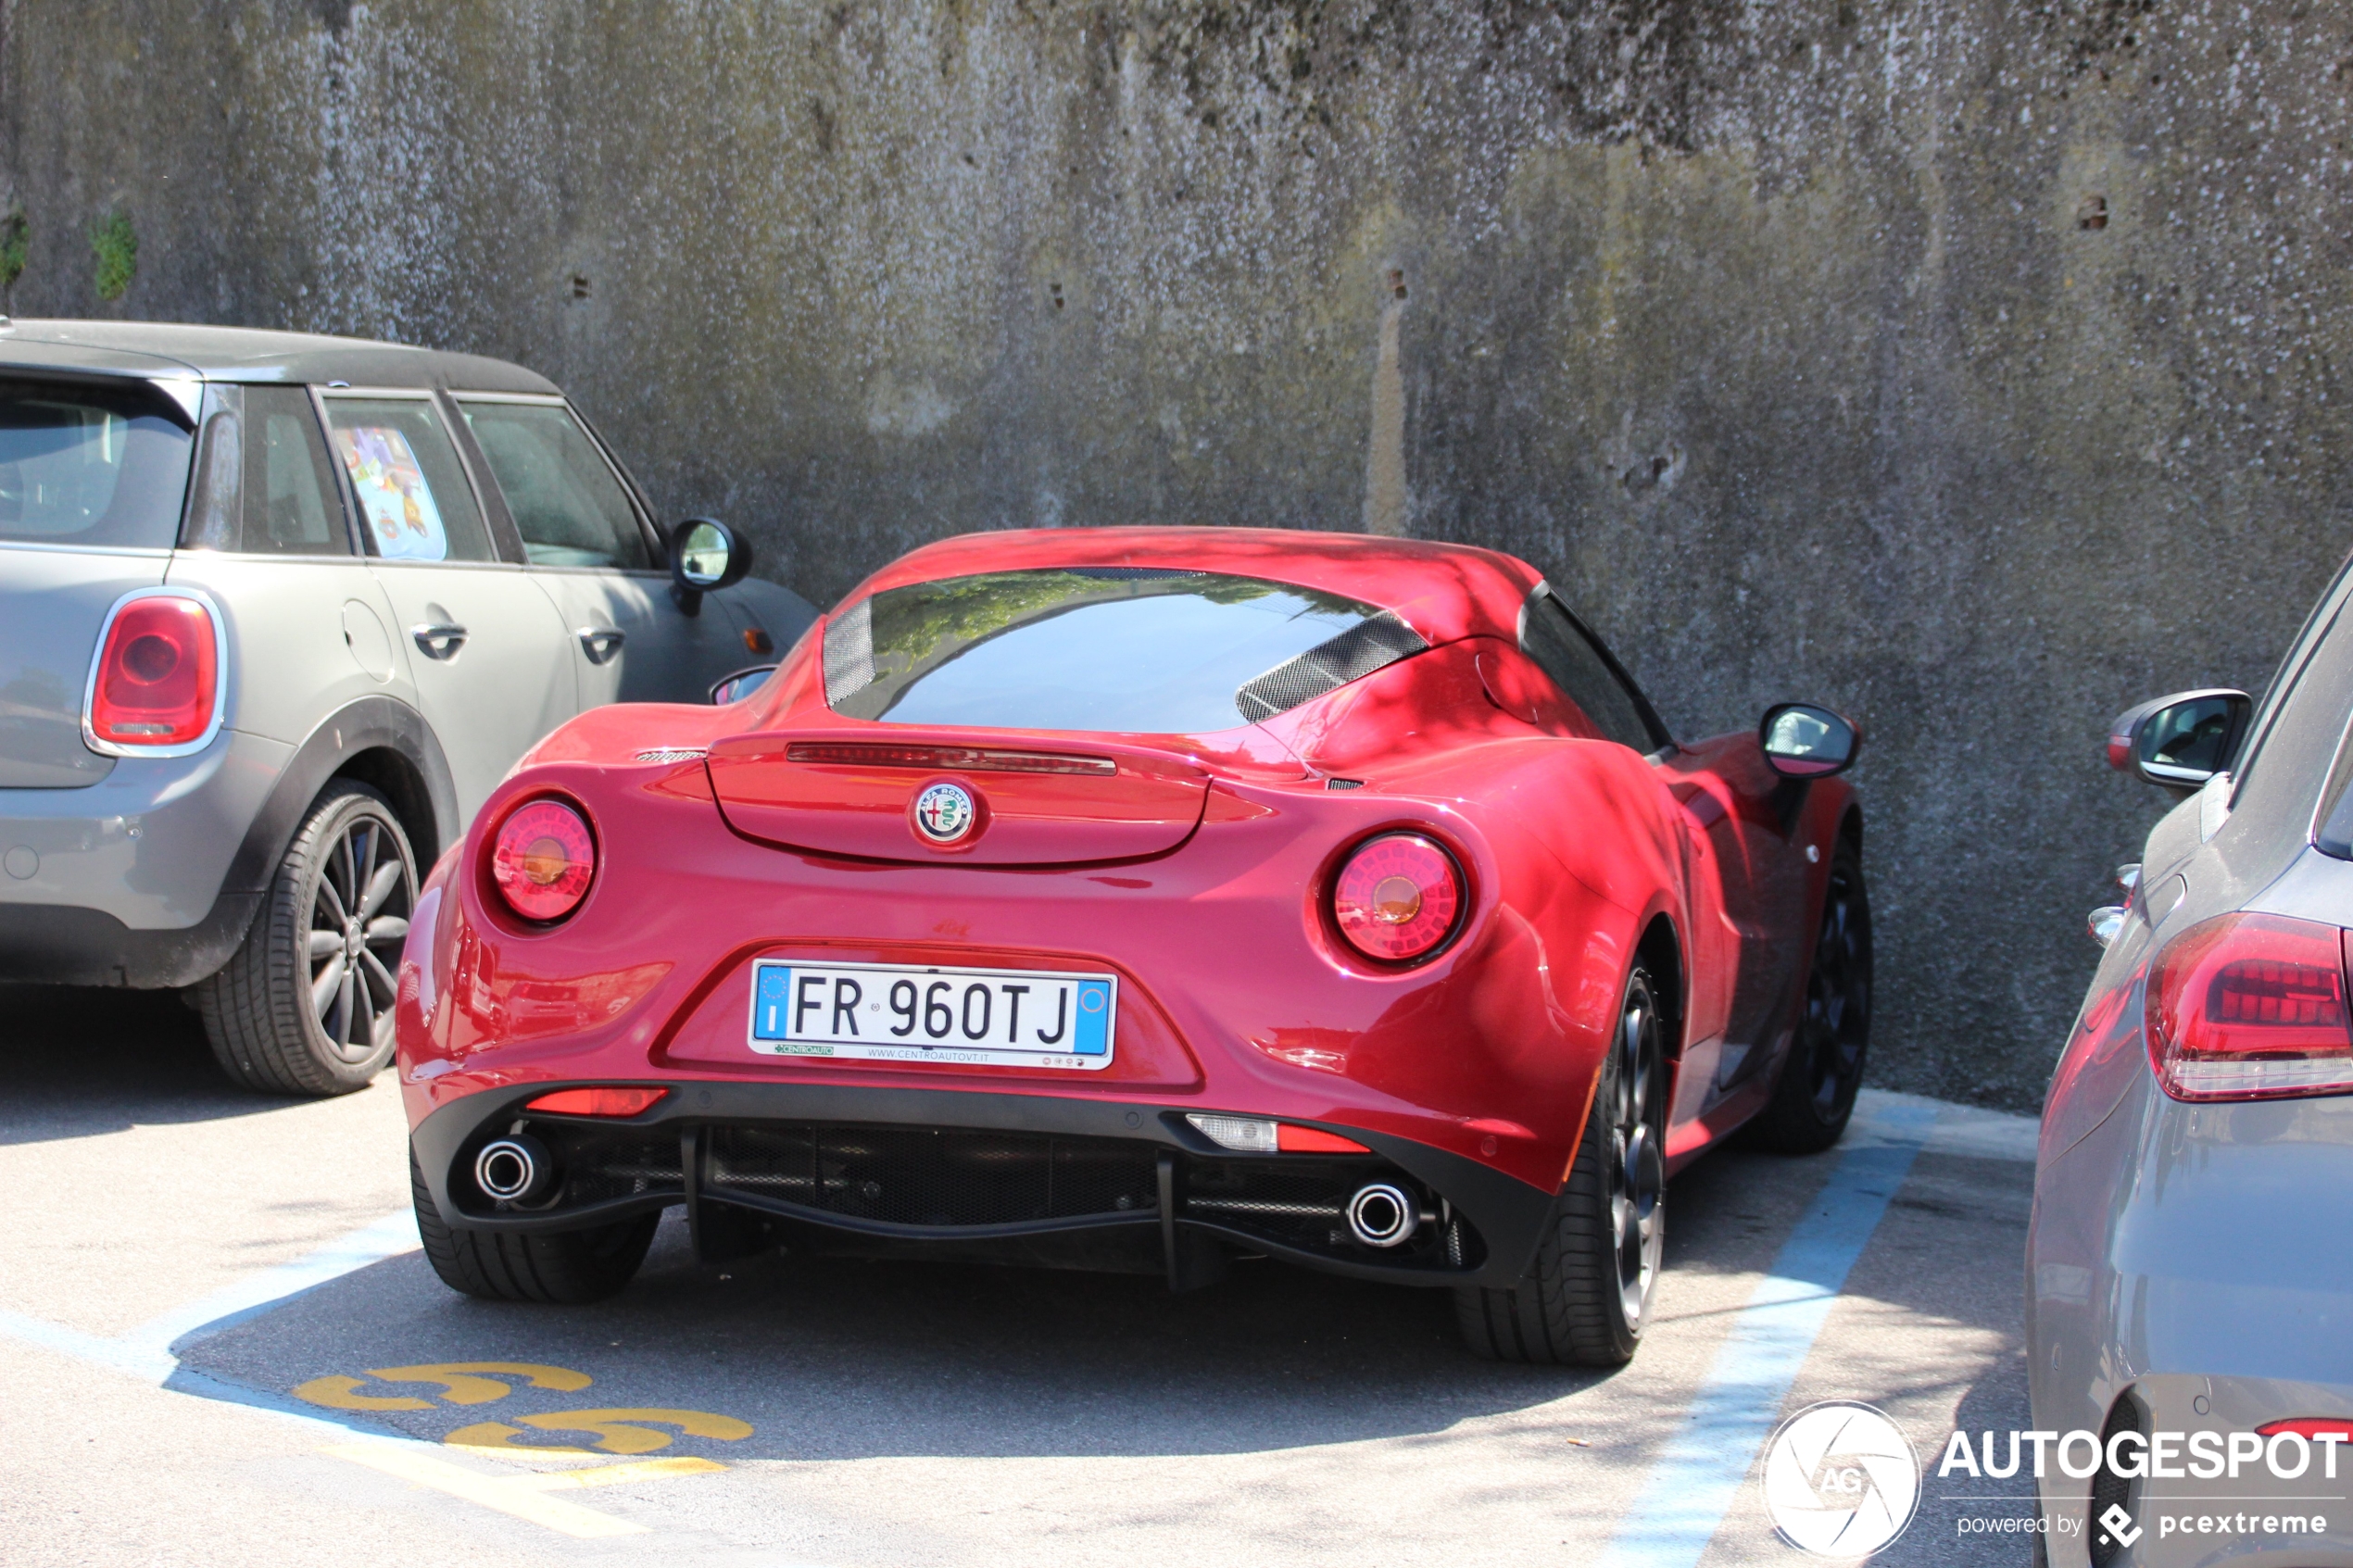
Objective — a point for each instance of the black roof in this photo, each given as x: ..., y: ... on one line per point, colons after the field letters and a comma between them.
x: 175, y: 350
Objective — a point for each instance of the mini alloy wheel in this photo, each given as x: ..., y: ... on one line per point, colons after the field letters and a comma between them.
x: 306, y: 1005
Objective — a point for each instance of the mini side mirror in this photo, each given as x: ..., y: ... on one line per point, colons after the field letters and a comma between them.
x: 1801, y: 741
x: 2181, y: 741
x: 705, y: 556
x: 741, y: 684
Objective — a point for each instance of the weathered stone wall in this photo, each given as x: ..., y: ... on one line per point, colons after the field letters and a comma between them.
x: 1970, y: 365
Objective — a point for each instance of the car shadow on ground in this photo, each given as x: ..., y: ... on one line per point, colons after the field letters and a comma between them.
x: 76, y: 1062
x: 833, y: 1358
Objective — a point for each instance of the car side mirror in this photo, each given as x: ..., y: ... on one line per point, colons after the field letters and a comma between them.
x: 705, y: 556
x: 2179, y: 742
x: 741, y: 684
x: 1801, y: 741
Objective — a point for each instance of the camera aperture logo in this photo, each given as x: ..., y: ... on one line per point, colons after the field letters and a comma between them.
x: 1840, y: 1480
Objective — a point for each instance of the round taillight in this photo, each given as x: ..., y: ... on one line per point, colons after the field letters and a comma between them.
x: 1397, y: 896
x: 543, y: 859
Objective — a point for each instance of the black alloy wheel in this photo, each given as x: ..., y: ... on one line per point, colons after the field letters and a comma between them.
x: 1815, y: 1097
x: 306, y: 1005
x: 1637, y: 1169
x: 1587, y: 1297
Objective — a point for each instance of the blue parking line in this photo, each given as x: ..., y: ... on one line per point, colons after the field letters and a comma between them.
x: 1699, y: 1472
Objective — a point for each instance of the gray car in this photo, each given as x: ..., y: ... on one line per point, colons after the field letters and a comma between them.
x: 2190, y: 1266
x: 276, y: 613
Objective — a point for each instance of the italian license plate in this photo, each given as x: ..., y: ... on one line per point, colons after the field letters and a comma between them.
x: 898, y: 1012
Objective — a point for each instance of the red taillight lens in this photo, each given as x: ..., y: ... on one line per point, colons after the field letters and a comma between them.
x: 2251, y: 1007
x: 965, y: 758
x: 543, y: 861
x: 1397, y: 896
x: 595, y: 1102
x: 159, y: 675
x: 2310, y: 1427
x: 1293, y: 1139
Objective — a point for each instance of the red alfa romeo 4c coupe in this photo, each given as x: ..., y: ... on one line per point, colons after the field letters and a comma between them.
x: 1138, y: 899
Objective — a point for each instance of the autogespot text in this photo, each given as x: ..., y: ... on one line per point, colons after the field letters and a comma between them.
x: 2160, y: 1456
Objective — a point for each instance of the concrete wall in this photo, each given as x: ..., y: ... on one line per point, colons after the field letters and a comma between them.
x: 1972, y: 366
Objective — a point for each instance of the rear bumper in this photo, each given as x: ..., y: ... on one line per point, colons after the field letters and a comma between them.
x: 120, y: 883
x: 1165, y: 1195
x: 47, y: 944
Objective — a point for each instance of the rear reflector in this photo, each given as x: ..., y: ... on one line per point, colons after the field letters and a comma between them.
x: 1314, y: 1140
x: 2251, y: 1007
x: 595, y: 1102
x: 1250, y: 1134
x: 970, y: 760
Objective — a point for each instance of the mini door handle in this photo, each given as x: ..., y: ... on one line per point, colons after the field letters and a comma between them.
x: 600, y: 642
x: 441, y: 641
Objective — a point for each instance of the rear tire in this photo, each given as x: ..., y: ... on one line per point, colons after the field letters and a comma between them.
x: 1815, y: 1094
x: 566, y: 1267
x: 1587, y: 1297
x: 331, y: 927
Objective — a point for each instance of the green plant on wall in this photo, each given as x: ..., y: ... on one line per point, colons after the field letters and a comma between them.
x: 115, y: 248
x: 16, y: 243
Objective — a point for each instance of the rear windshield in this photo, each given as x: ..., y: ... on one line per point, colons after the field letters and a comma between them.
x: 81, y: 465
x: 1118, y: 649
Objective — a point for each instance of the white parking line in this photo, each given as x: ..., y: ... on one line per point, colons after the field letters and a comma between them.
x: 146, y: 1352
x: 1693, y: 1480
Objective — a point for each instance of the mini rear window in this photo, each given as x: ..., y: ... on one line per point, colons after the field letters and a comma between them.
x: 89, y: 464
x: 1125, y: 650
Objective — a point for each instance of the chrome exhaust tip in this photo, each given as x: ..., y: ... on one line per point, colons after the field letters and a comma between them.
x: 514, y: 1169
x: 1381, y: 1215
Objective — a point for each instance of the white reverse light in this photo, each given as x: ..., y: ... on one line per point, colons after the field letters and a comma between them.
x: 1243, y: 1135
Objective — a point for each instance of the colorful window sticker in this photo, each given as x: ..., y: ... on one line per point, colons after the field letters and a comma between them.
x: 393, y: 497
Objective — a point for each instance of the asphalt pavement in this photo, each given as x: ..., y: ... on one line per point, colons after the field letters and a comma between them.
x: 218, y: 1345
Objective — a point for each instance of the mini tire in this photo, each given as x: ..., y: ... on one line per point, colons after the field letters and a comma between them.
x: 304, y: 1005
x: 1814, y: 1097
x: 565, y: 1268
x: 1586, y: 1299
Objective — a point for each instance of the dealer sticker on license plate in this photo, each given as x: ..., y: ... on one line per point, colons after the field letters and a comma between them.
x: 898, y: 1012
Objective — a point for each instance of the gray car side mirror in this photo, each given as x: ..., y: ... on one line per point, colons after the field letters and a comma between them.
x: 1802, y: 741
x: 741, y: 684
x: 2179, y: 742
x: 705, y: 556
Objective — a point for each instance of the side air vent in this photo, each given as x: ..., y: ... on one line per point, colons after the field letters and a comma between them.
x: 1355, y: 653
x: 2110, y: 1489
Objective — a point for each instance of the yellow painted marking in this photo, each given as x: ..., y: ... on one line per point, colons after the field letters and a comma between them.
x: 516, y: 1495
x: 342, y: 1393
x: 617, y: 1432
x: 497, y: 1438
x: 461, y: 1384
x: 622, y: 1475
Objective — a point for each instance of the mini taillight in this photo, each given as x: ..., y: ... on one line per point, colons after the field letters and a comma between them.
x: 595, y: 1102
x: 158, y: 681
x: 543, y: 861
x: 2251, y: 1007
x: 1397, y: 896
